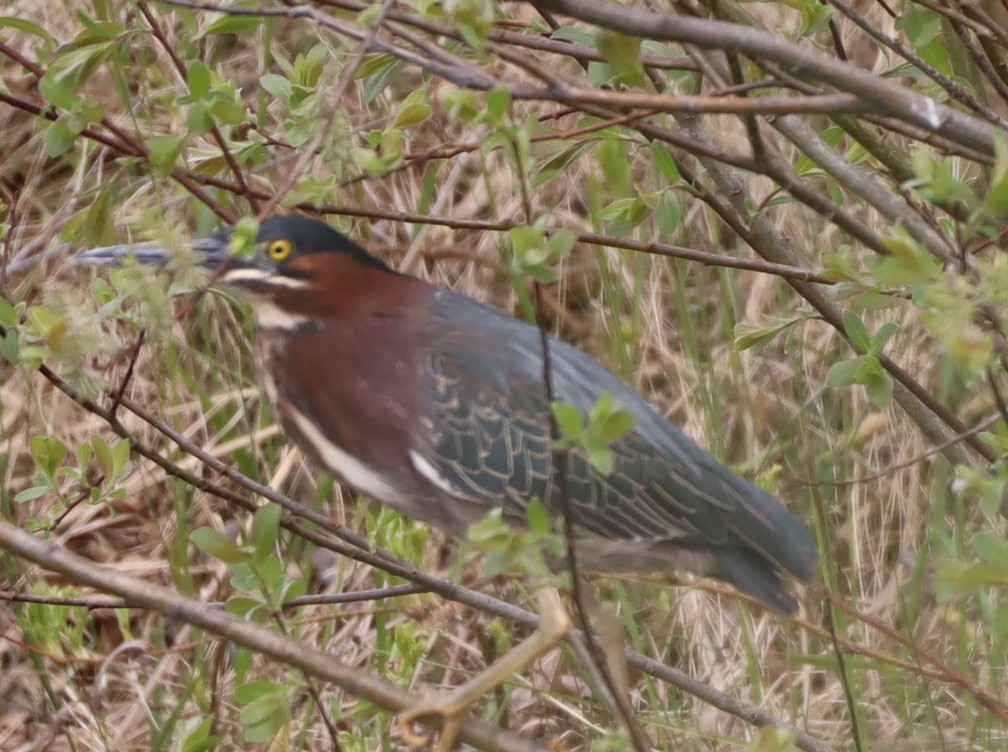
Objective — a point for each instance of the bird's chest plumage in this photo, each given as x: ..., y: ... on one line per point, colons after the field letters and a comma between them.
x: 346, y: 393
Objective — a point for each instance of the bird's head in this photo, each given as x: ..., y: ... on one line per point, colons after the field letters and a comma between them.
x: 294, y: 267
x: 288, y: 252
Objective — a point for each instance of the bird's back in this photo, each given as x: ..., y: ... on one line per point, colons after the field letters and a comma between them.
x: 667, y: 504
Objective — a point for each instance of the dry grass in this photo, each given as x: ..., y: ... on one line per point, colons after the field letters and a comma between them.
x: 105, y: 679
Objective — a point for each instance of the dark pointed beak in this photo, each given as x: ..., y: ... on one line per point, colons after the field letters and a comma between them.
x: 210, y: 252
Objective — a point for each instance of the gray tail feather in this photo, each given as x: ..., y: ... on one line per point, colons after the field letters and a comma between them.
x: 753, y: 575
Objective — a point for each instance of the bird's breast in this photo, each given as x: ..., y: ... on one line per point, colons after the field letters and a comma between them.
x: 346, y: 399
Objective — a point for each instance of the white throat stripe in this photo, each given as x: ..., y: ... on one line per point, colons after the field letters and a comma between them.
x: 271, y: 316
x: 261, y: 275
x: 347, y: 467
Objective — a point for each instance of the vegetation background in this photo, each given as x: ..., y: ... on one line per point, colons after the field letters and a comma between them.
x: 783, y: 222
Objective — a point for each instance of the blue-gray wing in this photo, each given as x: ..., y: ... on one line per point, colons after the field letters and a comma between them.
x: 486, y: 436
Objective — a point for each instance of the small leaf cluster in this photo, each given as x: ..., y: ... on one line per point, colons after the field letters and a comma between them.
x: 73, y: 64
x: 297, y: 89
x: 940, y: 180
x: 387, y: 146
x: 606, y: 423
x: 865, y: 369
x: 267, y: 706
x: 55, y: 629
x: 257, y: 572
x: 258, y: 577
x: 507, y: 549
x: 537, y: 255
x: 68, y: 482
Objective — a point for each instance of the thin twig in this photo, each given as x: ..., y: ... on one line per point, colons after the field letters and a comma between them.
x: 845, y: 681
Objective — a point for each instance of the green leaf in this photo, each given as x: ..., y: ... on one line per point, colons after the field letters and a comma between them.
x: 311, y: 65
x: 11, y: 347
x: 263, y: 718
x: 628, y: 213
x: 957, y: 579
x: 8, y: 317
x: 97, y: 30
x: 573, y: 33
x: 76, y: 64
x: 367, y: 159
x: 59, y: 137
x: 198, y: 77
x: 569, y: 420
x: 97, y: 229
x: 228, y: 111
x: 920, y: 24
x: 491, y: 529
x: 200, y: 739
x: 538, y: 519
x: 57, y: 91
x: 413, y: 109
x: 48, y: 454
x: 217, y: 545
x: 909, y: 264
x: 614, y: 427
x: 374, y: 64
x: 878, y: 384
x: 103, y: 456
x: 882, y: 337
x: 773, y: 740
x: 857, y: 331
x: 376, y: 83
x: 30, y: 494
x: 243, y: 237
x: 253, y: 690
x: 663, y: 160
x: 265, y: 529
x: 614, y: 160
x: 411, y: 115
x: 601, y: 457
x: 560, y: 243
x: 747, y: 337
x: 198, y: 120
x: 20, y: 24
x: 525, y: 238
x: 995, y: 203
x: 120, y: 458
x: 232, y: 24
x: 843, y: 373
x: 498, y: 104
x: 277, y: 86
x: 248, y: 608
x: 622, y: 52
x: 992, y: 548
x: 669, y: 213
x: 164, y: 151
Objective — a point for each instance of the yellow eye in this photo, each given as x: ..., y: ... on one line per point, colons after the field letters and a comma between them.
x: 278, y: 250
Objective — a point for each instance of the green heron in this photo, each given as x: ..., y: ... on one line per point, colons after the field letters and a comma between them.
x: 434, y: 404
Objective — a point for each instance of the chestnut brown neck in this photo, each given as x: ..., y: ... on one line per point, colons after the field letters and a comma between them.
x: 335, y: 285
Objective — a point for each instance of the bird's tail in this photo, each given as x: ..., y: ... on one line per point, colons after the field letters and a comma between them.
x: 752, y: 574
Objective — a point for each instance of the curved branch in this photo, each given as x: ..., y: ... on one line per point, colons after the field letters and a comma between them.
x: 317, y: 663
x: 891, y: 98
